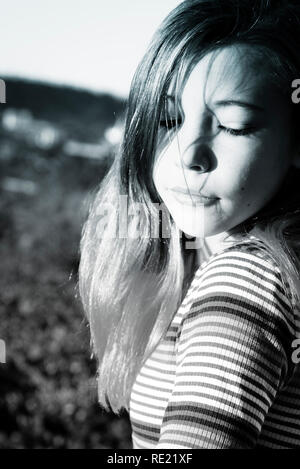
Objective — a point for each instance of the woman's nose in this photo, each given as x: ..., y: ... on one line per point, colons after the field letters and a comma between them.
x: 198, y: 157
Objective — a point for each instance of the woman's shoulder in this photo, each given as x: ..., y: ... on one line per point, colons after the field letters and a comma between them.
x: 246, y: 268
x: 242, y: 287
x: 242, y: 253
x: 249, y: 250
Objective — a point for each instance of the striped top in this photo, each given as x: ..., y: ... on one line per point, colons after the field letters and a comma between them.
x: 225, y: 373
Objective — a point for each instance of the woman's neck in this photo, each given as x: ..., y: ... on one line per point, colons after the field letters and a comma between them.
x: 200, y: 251
x: 212, y: 245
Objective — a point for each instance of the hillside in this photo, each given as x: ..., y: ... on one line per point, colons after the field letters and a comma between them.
x: 83, y: 114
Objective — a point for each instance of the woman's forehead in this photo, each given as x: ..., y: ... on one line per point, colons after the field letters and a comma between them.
x: 231, y: 72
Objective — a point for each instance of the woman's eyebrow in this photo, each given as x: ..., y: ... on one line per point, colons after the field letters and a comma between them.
x: 229, y: 102
x: 232, y: 102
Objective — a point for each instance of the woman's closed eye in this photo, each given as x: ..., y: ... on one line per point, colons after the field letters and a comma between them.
x: 237, y: 132
x: 172, y: 123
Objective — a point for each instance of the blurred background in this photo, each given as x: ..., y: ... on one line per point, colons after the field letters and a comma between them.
x: 67, y: 68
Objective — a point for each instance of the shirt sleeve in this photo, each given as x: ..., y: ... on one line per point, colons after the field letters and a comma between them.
x: 233, y: 355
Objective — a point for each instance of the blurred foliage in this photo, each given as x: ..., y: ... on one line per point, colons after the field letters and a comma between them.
x: 48, y: 387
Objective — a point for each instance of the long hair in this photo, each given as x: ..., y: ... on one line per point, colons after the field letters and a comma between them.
x: 132, y: 285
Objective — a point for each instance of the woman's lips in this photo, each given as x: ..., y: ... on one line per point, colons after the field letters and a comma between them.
x: 191, y: 198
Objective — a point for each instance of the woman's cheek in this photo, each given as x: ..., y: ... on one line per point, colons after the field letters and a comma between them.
x: 232, y: 178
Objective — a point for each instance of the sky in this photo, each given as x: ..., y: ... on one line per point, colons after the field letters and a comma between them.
x: 92, y: 44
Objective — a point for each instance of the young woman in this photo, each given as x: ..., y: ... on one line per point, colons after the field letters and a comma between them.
x: 189, y: 271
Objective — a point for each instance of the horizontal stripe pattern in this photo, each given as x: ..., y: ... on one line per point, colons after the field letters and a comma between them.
x: 223, y: 376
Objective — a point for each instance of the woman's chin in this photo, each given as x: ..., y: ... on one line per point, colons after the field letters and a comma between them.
x: 196, y: 228
x: 191, y: 229
x: 196, y: 221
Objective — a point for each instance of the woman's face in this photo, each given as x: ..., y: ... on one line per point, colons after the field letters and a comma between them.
x: 233, y: 145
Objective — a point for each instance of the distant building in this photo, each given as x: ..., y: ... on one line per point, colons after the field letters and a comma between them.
x: 114, y: 134
x: 39, y: 133
x: 87, y: 150
x: 105, y: 147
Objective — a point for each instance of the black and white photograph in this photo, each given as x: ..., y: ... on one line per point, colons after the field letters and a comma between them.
x: 150, y: 227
